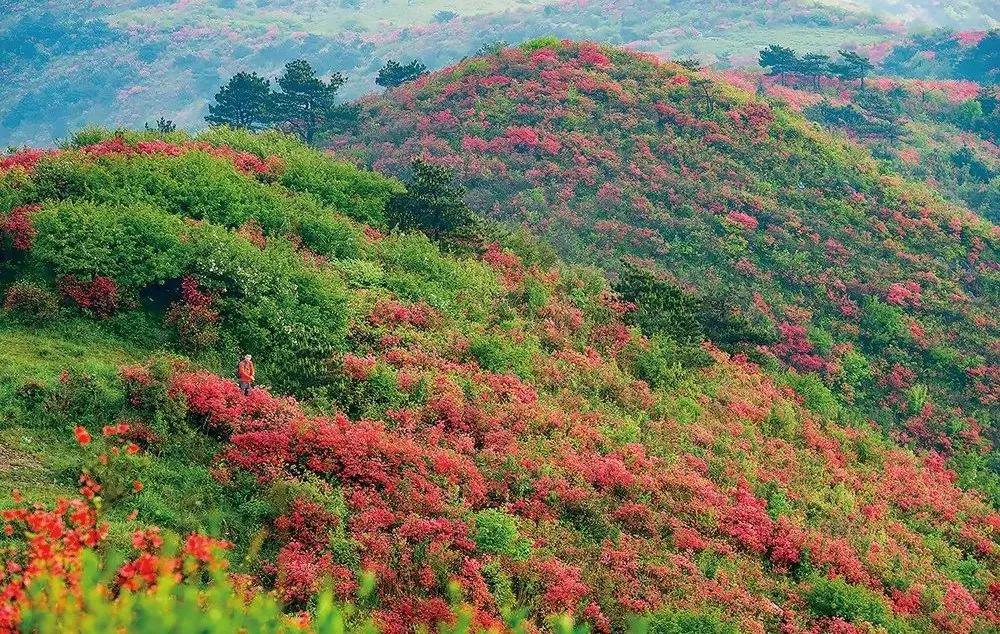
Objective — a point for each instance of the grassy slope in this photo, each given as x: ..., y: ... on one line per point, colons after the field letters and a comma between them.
x: 41, y: 458
x: 937, y: 143
x: 40, y: 464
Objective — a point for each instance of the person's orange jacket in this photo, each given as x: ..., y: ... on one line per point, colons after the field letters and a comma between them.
x: 245, y: 371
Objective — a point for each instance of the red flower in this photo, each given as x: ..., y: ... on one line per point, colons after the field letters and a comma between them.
x: 82, y: 436
x: 202, y: 547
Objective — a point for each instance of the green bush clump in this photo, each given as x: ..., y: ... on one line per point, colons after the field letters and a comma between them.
x: 189, y: 180
x: 665, y: 362
x: 352, y: 192
x: 837, y: 598
x: 546, y: 41
x: 496, y: 533
x: 136, y: 246
x: 330, y: 236
x: 689, y: 622
x: 500, y: 354
x: 882, y: 323
x: 356, y: 193
x: 416, y: 269
x: 818, y: 396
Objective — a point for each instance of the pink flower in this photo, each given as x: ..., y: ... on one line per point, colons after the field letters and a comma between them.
x: 742, y: 219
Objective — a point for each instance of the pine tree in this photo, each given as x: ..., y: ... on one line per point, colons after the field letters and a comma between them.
x: 813, y: 65
x: 661, y: 307
x: 242, y: 103
x: 433, y: 203
x: 703, y: 86
x: 779, y: 60
x: 163, y: 126
x: 394, y: 74
x: 851, y: 66
x: 306, y: 105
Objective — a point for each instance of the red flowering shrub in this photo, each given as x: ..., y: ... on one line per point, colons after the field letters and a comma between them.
x: 903, y: 294
x: 17, y: 227
x: 98, y: 296
x: 796, y: 348
x: 393, y: 313
x: 358, y: 368
x: 747, y: 521
x: 193, y: 316
x: 24, y: 159
x: 243, y: 161
x: 563, y: 586
x: 506, y: 263
x: 744, y: 220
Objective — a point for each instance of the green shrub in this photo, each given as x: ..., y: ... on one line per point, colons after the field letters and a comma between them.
x: 731, y: 327
x: 415, y: 269
x: 500, y: 354
x: 665, y: 362
x: 356, y: 193
x: 135, y: 246
x: 855, y: 369
x: 534, y: 295
x: 352, y: 192
x: 837, y: 598
x: 546, y: 41
x: 882, y: 323
x: 781, y: 421
x: 330, y: 236
x: 689, y: 622
x: 816, y: 395
x: 496, y: 534
x: 75, y: 398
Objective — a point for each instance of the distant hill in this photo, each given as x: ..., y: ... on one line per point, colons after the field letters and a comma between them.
x: 960, y: 14
x: 147, y: 59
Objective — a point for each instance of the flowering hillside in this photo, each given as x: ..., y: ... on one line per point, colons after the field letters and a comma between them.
x: 867, y: 281
x: 481, y: 416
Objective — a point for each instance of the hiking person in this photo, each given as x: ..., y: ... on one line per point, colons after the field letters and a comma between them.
x: 245, y: 374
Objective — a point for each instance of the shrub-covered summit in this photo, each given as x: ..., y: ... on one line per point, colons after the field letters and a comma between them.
x: 480, y: 415
x: 873, y: 283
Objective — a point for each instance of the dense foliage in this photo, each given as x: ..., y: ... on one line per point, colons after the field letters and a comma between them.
x: 943, y: 54
x: 872, y: 283
x: 482, y: 418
